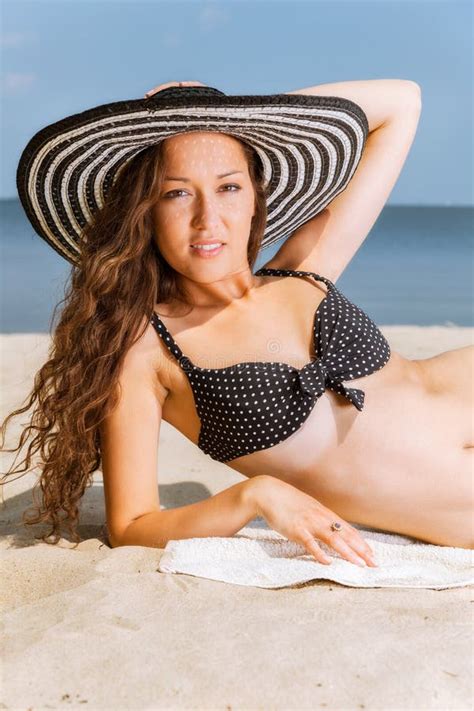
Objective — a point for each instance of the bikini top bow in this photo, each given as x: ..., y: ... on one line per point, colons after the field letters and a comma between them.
x: 315, y: 377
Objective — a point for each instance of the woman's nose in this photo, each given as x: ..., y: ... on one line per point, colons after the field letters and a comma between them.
x: 206, y: 213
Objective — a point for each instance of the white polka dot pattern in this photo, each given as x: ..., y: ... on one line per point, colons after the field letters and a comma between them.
x: 252, y: 406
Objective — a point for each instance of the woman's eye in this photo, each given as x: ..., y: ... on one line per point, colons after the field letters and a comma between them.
x: 172, y: 193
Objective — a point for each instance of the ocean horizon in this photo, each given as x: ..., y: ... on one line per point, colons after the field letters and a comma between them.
x: 415, y: 267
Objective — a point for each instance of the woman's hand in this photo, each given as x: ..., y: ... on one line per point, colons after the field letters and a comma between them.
x: 167, y: 84
x: 300, y: 518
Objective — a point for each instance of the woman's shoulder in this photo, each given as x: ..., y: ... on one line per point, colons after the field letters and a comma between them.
x: 148, y: 356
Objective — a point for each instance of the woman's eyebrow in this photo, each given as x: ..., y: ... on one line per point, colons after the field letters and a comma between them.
x: 187, y: 180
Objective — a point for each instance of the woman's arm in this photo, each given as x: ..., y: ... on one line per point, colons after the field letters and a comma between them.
x: 327, y: 242
x: 286, y: 509
x: 380, y: 99
x: 223, y: 515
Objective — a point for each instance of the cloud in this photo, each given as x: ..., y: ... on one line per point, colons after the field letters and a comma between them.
x: 13, y: 82
x: 13, y: 40
x: 211, y: 16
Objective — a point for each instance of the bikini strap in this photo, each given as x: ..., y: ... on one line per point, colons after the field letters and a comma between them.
x: 295, y: 272
x: 183, y: 361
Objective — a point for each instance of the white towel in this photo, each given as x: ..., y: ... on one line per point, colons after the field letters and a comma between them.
x: 261, y: 557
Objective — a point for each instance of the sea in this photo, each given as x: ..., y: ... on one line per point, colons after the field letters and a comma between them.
x: 415, y: 267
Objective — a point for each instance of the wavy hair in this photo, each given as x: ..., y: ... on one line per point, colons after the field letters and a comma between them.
x: 108, y: 301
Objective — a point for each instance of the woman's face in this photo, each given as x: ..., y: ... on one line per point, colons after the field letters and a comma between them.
x: 196, y: 205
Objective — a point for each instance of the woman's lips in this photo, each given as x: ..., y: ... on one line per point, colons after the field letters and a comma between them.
x: 207, y: 253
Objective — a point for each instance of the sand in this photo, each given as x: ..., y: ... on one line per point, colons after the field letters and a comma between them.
x: 99, y: 628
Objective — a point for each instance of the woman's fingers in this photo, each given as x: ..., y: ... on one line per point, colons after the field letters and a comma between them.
x: 302, y: 518
x: 360, y: 546
x: 349, y: 548
x: 309, y: 542
x: 351, y: 538
x: 167, y: 84
x: 335, y: 540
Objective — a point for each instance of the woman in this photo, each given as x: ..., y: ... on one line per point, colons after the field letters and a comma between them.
x: 347, y: 428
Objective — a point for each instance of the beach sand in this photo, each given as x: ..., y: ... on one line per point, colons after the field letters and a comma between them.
x: 99, y: 628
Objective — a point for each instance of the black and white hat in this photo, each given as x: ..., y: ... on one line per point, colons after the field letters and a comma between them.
x: 309, y: 147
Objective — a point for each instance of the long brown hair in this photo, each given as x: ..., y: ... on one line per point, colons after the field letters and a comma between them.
x: 108, y: 303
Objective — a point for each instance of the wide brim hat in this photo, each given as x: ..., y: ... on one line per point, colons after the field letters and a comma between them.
x: 309, y: 147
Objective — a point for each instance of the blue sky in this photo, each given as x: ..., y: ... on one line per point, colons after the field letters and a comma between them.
x: 58, y: 58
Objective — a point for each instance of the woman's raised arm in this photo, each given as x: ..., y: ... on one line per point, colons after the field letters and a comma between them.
x: 327, y: 242
x: 380, y: 99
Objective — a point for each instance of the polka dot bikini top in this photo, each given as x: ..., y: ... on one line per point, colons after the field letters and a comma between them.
x: 252, y: 406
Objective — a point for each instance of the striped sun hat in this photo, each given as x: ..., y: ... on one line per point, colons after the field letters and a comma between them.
x: 309, y: 147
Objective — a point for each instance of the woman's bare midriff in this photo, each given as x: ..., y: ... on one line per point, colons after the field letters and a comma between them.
x: 404, y: 463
